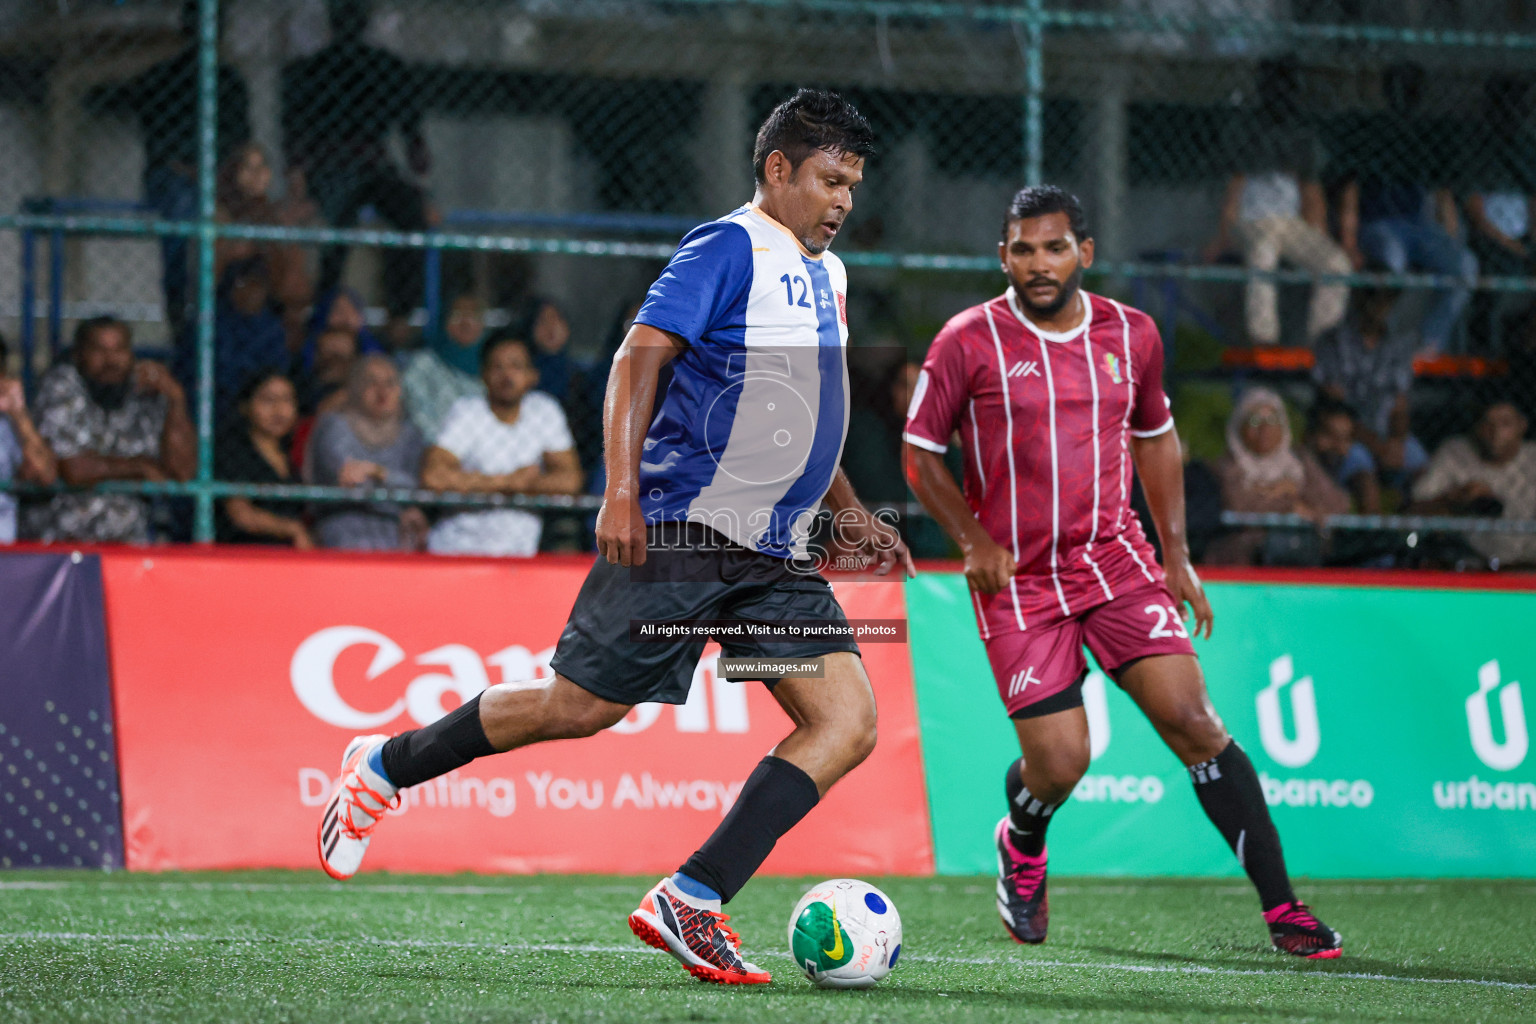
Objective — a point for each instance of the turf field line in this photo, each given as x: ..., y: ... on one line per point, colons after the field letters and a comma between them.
x: 564, y: 947
x: 1235, y: 972
x: 419, y: 889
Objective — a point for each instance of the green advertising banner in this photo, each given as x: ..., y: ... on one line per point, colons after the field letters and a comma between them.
x: 1388, y: 727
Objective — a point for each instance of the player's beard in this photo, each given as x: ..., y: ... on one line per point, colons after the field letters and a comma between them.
x: 813, y: 247
x: 1067, y: 292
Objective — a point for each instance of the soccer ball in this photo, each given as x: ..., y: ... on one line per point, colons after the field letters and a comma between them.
x: 845, y: 933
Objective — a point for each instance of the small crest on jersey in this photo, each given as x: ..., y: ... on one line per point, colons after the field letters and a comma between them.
x: 842, y: 308
x: 1112, y: 367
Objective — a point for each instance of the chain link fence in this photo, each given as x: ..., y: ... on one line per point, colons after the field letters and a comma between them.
x: 265, y: 193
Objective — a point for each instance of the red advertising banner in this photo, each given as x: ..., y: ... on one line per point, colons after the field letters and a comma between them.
x: 240, y: 676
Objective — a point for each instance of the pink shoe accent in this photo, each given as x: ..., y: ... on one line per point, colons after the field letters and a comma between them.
x: 1029, y: 872
x: 1292, y: 913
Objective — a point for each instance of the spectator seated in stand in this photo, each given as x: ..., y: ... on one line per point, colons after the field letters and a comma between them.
x: 340, y: 309
x: 109, y: 416
x: 1261, y: 472
x: 564, y: 378
x: 369, y: 442
x: 512, y: 441
x: 321, y: 384
x: 1500, y: 182
x: 1276, y: 208
x: 448, y: 369
x: 1367, y: 363
x: 1397, y: 208
x: 248, y: 334
x: 1490, y: 474
x: 872, y: 457
x: 24, y: 455
x: 1331, y: 441
x: 254, y: 451
x: 322, y: 388
x: 560, y: 374
x: 245, y: 179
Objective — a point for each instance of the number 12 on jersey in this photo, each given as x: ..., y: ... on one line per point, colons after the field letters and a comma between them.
x: 789, y: 290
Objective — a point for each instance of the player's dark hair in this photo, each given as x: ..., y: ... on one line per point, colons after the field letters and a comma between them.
x: 86, y: 329
x: 1040, y: 200
x: 5, y: 354
x: 502, y: 339
x: 809, y: 120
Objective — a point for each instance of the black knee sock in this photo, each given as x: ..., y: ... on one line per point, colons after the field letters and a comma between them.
x: 1027, y: 815
x: 777, y: 795
x: 437, y: 749
x: 1229, y: 791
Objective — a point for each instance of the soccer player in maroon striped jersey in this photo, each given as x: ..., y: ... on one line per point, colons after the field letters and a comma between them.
x: 1055, y: 394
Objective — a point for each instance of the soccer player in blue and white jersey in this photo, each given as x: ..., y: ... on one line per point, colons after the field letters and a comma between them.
x: 711, y: 494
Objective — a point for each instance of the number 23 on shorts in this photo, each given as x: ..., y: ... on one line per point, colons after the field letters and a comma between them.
x: 1166, y: 614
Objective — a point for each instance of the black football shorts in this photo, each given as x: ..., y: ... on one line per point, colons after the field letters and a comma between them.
x: 690, y: 573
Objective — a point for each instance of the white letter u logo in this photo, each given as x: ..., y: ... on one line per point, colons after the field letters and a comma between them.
x: 1501, y: 757
x: 1292, y: 753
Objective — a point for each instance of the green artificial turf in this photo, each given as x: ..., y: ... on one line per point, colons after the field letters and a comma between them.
x: 278, y: 946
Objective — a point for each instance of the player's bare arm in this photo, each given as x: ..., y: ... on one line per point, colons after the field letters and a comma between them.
x: 865, y: 531
x: 988, y: 565
x: 627, y: 410
x: 1160, y: 466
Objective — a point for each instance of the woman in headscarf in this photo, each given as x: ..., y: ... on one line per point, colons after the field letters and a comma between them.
x: 448, y: 369
x: 550, y: 331
x: 1262, y: 472
x: 369, y: 442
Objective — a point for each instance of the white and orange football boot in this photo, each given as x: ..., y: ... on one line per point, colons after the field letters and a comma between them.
x: 354, y: 810
x: 695, y: 932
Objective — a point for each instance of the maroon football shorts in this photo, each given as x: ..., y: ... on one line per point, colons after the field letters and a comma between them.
x: 1037, y: 663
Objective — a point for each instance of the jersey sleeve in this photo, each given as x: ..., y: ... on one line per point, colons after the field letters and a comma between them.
x: 1150, y: 415
x: 704, y: 286
x: 941, y: 390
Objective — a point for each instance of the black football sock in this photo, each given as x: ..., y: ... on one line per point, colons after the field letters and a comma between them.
x: 1229, y: 791
x: 777, y: 795
x: 437, y: 749
x: 1027, y: 815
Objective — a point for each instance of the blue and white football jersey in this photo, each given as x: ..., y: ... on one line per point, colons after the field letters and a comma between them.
x: 749, y: 433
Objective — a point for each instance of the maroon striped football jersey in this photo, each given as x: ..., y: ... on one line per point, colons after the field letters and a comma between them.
x: 1045, y: 421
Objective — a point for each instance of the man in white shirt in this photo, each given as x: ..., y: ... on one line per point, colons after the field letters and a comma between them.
x: 1489, y: 473
x: 512, y: 441
x: 1275, y: 209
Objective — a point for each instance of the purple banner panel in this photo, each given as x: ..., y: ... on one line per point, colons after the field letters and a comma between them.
x: 59, y: 799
